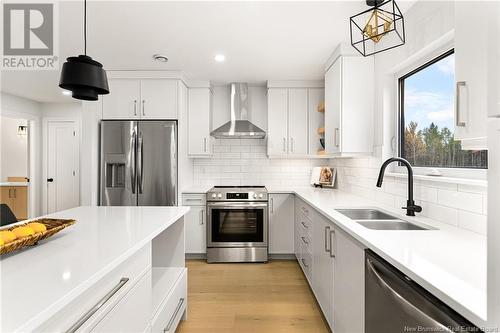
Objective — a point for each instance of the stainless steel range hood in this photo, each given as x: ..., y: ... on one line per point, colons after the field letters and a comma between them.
x: 239, y: 127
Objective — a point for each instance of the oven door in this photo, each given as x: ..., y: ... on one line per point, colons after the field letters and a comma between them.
x: 237, y: 224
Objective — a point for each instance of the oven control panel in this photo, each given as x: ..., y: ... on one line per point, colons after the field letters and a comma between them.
x: 237, y: 194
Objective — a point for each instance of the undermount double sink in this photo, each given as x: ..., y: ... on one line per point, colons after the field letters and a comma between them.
x: 378, y: 220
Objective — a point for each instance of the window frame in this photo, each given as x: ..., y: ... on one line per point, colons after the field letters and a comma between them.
x: 424, y: 61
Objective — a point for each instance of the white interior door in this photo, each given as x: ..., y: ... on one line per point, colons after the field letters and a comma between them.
x: 63, y: 186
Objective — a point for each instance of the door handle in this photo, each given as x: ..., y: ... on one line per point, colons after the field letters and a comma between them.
x: 143, y: 107
x: 133, y: 174
x: 284, y: 145
x: 305, y: 225
x: 140, y: 162
x: 171, y: 321
x: 458, y: 122
x: 332, y: 233
x: 50, y: 180
x: 135, y: 107
x: 327, y: 232
x: 202, y: 212
x: 304, y: 240
x: 96, y: 307
x: 337, y: 137
x: 205, y: 145
x: 272, y: 205
x: 291, y: 145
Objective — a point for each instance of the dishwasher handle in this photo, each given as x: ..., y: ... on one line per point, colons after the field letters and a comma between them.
x: 402, y: 301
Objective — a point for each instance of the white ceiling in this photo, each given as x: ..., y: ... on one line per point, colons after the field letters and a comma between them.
x: 261, y: 40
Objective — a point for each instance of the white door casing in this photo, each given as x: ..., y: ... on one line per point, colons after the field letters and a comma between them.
x: 62, y: 166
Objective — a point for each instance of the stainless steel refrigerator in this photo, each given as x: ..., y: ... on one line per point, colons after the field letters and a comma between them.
x: 138, y: 163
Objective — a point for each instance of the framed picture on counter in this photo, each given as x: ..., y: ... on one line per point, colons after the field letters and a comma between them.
x: 323, y: 176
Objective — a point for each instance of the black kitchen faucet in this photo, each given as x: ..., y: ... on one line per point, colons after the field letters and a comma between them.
x: 411, y: 208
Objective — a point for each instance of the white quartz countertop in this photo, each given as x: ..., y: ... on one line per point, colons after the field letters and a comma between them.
x: 449, y: 262
x: 39, y: 281
x: 14, y: 183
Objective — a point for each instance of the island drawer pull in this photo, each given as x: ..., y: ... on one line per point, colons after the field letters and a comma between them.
x: 305, y: 225
x: 304, y: 240
x: 96, y: 307
x: 171, y: 321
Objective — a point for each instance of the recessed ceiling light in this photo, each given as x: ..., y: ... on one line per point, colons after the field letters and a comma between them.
x: 160, y: 58
x: 66, y: 93
x: 220, y: 58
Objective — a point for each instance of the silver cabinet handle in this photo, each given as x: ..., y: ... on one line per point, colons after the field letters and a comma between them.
x: 458, y: 122
x: 135, y: 107
x: 96, y: 307
x: 403, y: 302
x: 304, y: 240
x: 202, y: 212
x: 304, y: 262
x: 327, y: 241
x: 291, y: 145
x: 171, y: 321
x: 133, y: 174
x: 205, y: 145
x: 143, y: 107
x: 337, y: 137
x: 272, y: 205
x: 284, y: 145
x: 305, y: 225
x: 193, y: 199
x: 332, y: 254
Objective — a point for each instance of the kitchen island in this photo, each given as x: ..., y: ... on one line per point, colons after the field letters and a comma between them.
x: 131, y: 258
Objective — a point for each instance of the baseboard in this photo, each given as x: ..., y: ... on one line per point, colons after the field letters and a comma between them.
x: 280, y: 256
x: 196, y: 256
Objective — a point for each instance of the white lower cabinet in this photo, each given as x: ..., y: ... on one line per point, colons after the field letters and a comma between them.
x: 195, y: 223
x: 133, y: 311
x: 324, y: 264
x: 333, y: 263
x: 349, y: 286
x: 281, y: 217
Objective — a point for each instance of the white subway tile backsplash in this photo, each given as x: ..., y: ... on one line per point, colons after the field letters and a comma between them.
x: 440, y: 213
x: 472, y: 202
x: 472, y: 222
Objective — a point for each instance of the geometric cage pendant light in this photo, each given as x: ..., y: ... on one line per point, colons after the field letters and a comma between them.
x: 377, y: 29
x: 83, y: 76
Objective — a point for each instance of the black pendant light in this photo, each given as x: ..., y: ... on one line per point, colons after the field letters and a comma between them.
x: 377, y: 29
x: 83, y: 76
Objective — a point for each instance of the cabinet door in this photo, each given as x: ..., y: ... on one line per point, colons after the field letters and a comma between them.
x: 323, y: 264
x: 493, y: 63
x: 199, y: 122
x: 7, y: 198
x: 20, y: 202
x: 277, y: 124
x: 316, y: 119
x: 297, y: 121
x: 349, y: 287
x: 123, y: 99
x: 158, y: 99
x: 281, y: 224
x: 297, y: 218
x: 471, y: 70
x: 196, y: 230
x: 133, y: 311
x: 333, y: 104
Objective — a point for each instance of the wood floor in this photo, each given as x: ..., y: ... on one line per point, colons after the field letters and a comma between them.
x: 241, y: 298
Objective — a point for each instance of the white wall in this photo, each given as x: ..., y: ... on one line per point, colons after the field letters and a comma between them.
x: 13, y: 149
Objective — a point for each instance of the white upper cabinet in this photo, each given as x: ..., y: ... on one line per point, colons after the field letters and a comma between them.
x: 123, y: 101
x: 289, y: 111
x: 277, y: 115
x: 158, y: 99
x: 199, y: 120
x: 349, y: 99
x: 493, y: 63
x: 141, y: 99
x: 297, y: 121
x: 471, y: 74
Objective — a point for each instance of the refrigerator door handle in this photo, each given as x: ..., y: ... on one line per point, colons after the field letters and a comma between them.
x: 140, y: 161
x: 133, y: 175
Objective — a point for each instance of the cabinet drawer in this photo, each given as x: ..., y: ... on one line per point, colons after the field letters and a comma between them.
x: 172, y: 308
x: 306, y: 263
x: 193, y: 199
x: 133, y: 311
x: 305, y: 241
x: 305, y: 225
x: 132, y: 269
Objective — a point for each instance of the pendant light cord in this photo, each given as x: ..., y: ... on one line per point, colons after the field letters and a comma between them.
x: 85, y: 27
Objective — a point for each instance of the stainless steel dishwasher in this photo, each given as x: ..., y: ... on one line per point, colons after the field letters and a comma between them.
x: 394, y: 303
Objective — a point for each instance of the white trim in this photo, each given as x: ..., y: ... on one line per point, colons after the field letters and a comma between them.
x: 295, y: 84
x: 441, y: 179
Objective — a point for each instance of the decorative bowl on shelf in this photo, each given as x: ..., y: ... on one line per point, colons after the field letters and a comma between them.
x: 26, y: 237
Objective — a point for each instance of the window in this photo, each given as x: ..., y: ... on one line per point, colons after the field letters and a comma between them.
x: 426, y: 118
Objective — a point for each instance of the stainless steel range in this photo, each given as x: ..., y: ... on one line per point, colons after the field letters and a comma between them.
x: 237, y: 228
